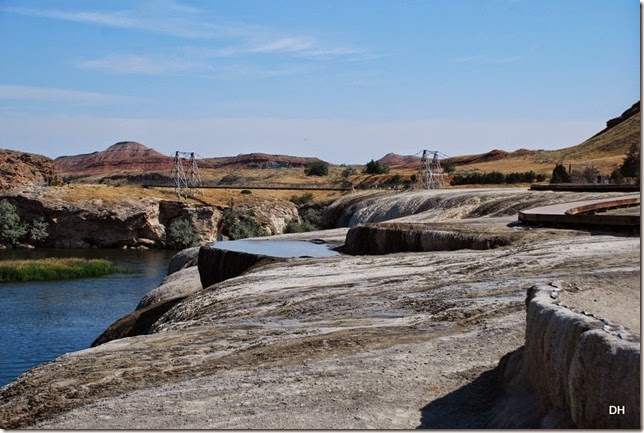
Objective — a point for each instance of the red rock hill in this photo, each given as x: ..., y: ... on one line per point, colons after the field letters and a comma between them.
x: 122, y: 156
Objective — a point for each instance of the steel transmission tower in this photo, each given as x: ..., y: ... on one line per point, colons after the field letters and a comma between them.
x: 430, y: 172
x: 186, y: 184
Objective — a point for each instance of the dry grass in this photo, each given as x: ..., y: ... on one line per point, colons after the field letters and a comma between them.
x: 79, y: 193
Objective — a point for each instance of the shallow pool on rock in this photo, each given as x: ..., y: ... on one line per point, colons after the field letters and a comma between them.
x: 275, y: 248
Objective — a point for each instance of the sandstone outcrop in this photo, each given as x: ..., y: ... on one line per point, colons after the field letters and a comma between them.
x: 123, y: 222
x: 21, y: 168
x: 272, y: 215
x: 203, y: 219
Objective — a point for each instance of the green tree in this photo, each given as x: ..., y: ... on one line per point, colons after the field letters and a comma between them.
x: 617, y: 176
x: 181, y: 235
x: 560, y: 174
x: 38, y: 230
x: 12, y: 229
x: 631, y: 165
x: 319, y: 168
x: 375, y: 167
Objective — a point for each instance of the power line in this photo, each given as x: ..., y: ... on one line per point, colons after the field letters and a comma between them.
x: 430, y: 172
x: 186, y: 184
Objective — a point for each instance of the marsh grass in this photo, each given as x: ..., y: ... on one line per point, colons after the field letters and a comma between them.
x: 54, y: 269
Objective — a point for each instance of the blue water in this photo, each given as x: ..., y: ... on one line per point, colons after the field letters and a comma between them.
x: 40, y: 321
x: 277, y: 248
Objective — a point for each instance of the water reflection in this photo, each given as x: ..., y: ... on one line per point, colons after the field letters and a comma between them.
x: 277, y: 248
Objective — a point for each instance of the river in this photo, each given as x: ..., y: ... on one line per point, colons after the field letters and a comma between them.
x: 40, y: 321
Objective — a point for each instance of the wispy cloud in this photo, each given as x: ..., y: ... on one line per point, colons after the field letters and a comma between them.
x: 288, y: 45
x: 137, y: 64
x: 174, y: 19
x: 165, y: 17
x: 12, y: 92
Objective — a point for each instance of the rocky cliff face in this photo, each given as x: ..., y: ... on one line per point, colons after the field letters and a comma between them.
x: 20, y: 168
x: 271, y: 215
x: 125, y: 222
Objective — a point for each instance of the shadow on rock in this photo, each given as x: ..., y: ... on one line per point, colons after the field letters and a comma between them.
x: 138, y: 322
x: 468, y: 407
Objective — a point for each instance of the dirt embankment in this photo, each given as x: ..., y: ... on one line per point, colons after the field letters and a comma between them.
x: 381, y: 341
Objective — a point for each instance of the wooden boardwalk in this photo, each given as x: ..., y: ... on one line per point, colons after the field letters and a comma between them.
x: 585, y: 213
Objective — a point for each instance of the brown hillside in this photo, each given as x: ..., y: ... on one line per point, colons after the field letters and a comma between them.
x: 605, y: 151
x: 493, y: 155
x: 392, y: 159
x: 20, y: 168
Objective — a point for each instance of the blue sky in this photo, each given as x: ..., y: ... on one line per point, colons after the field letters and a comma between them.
x: 345, y: 80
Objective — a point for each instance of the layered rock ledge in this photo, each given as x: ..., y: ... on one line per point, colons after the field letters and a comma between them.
x: 577, y: 370
x: 400, y: 340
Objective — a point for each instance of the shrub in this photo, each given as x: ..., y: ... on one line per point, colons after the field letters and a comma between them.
x: 181, y: 235
x: 375, y: 167
x: 311, y: 219
x: 587, y: 175
x: 495, y: 177
x: 319, y: 168
x: 560, y: 174
x: 449, y: 167
x: 241, y: 224
x: 246, y: 191
x: 14, y: 230
x: 302, y: 199
x: 348, y: 171
x: 38, y: 230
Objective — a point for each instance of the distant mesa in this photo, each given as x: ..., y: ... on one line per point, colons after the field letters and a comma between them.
x: 392, y: 159
x: 259, y: 160
x: 125, y: 155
